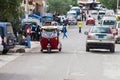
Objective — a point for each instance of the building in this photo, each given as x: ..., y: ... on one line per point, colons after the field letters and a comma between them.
x: 35, y: 6
x: 89, y: 3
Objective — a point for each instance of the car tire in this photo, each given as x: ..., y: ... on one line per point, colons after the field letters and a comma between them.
x: 41, y: 50
x: 112, y: 49
x: 87, y: 49
x: 5, y: 51
x: 117, y: 41
x: 60, y: 49
x: 48, y: 50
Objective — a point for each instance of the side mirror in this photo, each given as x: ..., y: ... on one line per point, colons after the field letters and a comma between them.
x: 86, y: 33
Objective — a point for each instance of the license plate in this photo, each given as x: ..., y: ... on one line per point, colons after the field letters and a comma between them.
x: 100, y: 36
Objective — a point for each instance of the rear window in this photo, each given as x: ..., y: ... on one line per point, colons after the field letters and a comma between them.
x: 101, y: 30
x: 109, y: 22
x: 101, y: 13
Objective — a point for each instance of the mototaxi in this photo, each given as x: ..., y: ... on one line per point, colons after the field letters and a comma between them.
x: 50, y: 39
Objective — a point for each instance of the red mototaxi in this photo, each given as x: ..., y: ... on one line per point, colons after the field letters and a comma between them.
x: 90, y: 20
x: 50, y: 39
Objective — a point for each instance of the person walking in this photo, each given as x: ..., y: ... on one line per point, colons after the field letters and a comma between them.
x: 28, y: 37
x: 79, y: 23
x: 64, y: 30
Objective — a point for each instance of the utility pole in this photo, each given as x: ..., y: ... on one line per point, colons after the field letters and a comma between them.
x: 26, y: 9
x: 117, y: 5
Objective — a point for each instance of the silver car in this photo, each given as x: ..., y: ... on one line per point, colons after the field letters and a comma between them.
x: 100, y: 37
x: 117, y: 34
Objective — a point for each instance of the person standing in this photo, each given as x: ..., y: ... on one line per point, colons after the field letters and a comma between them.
x: 28, y: 37
x: 64, y: 30
x: 79, y: 25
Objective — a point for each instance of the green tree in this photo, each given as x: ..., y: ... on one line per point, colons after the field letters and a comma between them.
x: 110, y: 4
x: 59, y: 6
x: 10, y: 11
x: 74, y: 2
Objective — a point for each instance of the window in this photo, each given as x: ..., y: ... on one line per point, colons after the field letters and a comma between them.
x: 109, y: 22
x: 101, y: 30
x: 9, y: 29
x: 49, y: 34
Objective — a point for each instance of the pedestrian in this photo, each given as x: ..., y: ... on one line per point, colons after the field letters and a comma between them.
x: 38, y: 33
x: 64, y: 30
x: 33, y: 33
x: 28, y: 37
x: 79, y: 25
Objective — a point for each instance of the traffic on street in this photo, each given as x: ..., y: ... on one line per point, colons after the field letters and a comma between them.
x: 82, y: 43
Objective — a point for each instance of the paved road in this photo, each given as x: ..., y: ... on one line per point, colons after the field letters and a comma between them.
x: 73, y: 63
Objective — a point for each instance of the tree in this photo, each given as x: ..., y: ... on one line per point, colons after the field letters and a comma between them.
x: 110, y: 4
x: 10, y: 11
x: 74, y: 2
x: 59, y: 6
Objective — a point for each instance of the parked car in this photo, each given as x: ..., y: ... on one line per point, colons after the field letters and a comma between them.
x: 100, y: 37
x: 1, y: 45
x: 90, y: 20
x: 117, y: 34
x: 8, y: 37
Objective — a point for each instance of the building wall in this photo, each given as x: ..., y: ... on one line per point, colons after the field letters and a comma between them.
x: 35, y: 6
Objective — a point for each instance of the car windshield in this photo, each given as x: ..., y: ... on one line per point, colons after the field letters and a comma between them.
x: 101, y: 30
x: 49, y: 34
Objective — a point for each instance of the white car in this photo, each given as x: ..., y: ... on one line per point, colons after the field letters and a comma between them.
x: 100, y: 37
x: 117, y: 34
x: 1, y: 46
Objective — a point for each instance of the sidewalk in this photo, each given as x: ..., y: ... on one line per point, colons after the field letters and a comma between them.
x: 14, y: 53
x: 23, y: 49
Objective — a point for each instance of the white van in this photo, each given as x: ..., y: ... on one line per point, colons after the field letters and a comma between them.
x: 71, y: 14
x: 110, y: 21
x: 109, y: 12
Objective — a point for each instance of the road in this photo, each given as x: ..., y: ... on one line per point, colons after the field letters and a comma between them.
x: 72, y: 63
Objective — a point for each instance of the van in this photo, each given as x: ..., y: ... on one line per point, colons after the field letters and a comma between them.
x: 77, y: 9
x: 110, y: 21
x: 8, y: 37
x: 71, y: 14
x: 109, y: 12
x: 117, y: 35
